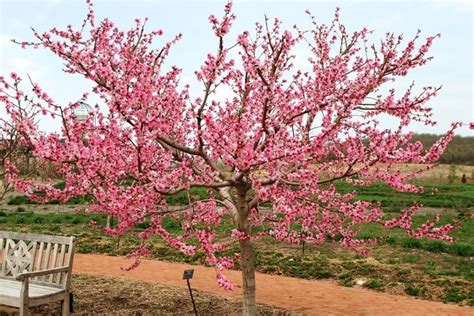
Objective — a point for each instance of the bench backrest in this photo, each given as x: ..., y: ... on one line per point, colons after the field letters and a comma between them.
x: 26, y: 252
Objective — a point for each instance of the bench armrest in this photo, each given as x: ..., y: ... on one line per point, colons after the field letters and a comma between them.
x: 26, y: 275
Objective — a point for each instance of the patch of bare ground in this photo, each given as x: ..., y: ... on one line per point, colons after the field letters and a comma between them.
x: 98, y: 295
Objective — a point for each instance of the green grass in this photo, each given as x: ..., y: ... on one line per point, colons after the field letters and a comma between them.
x: 375, y: 284
x: 453, y: 196
x: 177, y: 199
x: 463, y: 245
x: 24, y: 200
x: 69, y: 219
x: 412, y: 290
x: 456, y: 295
x: 182, y: 197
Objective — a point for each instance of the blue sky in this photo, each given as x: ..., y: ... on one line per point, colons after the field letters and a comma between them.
x: 453, y: 52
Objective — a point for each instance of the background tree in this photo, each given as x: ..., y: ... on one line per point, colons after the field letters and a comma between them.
x: 452, y: 177
x: 270, y: 152
x: 14, y: 149
x: 460, y: 150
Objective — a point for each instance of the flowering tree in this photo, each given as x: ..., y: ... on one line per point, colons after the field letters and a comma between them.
x: 283, y: 138
x: 13, y: 145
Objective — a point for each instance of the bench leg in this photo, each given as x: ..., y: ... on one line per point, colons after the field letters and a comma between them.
x: 65, y: 306
x: 24, y: 304
x: 24, y: 309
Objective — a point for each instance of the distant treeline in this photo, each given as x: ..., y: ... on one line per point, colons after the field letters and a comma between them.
x: 460, y: 150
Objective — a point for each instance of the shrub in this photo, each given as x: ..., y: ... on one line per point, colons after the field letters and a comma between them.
x: 84, y: 249
x: 23, y: 199
x: 454, y: 295
x: 20, y: 220
x: 20, y: 200
x: 411, y: 243
x: 56, y: 219
x: 435, y: 246
x: 76, y: 221
x: 38, y: 220
x: 171, y: 224
x: 462, y: 249
x: 374, y: 284
x: 143, y: 225
x: 452, y: 174
x: 345, y: 279
x: 20, y: 209
x: 412, y: 290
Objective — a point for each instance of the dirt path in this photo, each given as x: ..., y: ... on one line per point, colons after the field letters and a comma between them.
x: 304, y: 296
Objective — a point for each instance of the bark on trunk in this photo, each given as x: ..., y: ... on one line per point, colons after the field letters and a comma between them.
x: 248, y: 278
x: 246, y: 256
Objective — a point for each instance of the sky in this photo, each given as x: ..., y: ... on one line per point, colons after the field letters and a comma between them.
x: 452, y: 66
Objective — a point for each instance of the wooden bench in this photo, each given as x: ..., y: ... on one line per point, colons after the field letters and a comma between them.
x: 35, y: 269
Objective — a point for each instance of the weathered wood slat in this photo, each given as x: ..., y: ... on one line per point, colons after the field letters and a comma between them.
x: 68, y: 276
x: 5, y: 252
x: 47, y: 255
x: 10, y: 286
x: 53, y: 261
x: 2, y: 254
x: 58, y: 286
x: 36, y: 237
x: 62, y: 255
x: 34, y: 246
x: 8, y: 246
x: 40, y: 258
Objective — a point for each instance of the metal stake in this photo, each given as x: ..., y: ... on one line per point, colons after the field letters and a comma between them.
x: 192, y: 298
x: 188, y: 274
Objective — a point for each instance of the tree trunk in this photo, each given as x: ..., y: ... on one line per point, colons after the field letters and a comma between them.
x: 248, y: 278
x: 246, y: 256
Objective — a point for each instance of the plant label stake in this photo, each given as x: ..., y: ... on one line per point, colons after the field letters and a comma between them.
x: 187, y: 275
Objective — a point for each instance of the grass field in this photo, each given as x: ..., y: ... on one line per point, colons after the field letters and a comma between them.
x: 452, y: 196
x: 438, y: 174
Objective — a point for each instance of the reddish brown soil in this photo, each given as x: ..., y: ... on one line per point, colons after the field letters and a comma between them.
x: 304, y: 296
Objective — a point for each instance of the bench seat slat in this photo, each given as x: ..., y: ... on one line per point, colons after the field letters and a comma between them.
x: 34, y: 290
x: 12, y: 288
